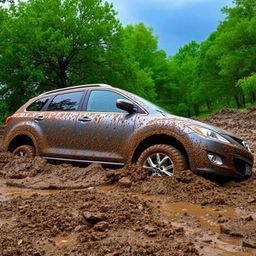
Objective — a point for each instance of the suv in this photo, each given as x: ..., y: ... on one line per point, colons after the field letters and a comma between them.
x: 98, y: 123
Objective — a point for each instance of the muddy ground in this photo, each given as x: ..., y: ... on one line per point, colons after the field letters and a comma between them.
x: 58, y: 210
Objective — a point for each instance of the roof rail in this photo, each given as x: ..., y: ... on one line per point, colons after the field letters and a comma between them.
x: 75, y: 87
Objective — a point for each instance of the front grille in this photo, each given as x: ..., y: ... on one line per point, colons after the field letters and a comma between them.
x: 243, y: 167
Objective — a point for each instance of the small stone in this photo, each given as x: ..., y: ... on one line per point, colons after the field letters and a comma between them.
x: 249, y: 218
x: 222, y: 220
x: 207, y: 240
x: 55, y: 230
x: 93, y: 218
x: 249, y: 243
x: 228, y: 231
x: 125, y: 182
x: 113, y: 254
x: 236, y: 233
x: 150, y: 231
x: 251, y: 200
x: 79, y: 228
x: 224, y: 230
x: 101, y: 226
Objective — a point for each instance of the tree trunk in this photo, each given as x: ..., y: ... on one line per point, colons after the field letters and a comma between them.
x: 237, y: 101
x: 253, y: 97
x: 208, y: 104
x: 243, y: 100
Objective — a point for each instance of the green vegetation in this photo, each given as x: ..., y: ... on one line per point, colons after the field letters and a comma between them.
x: 48, y: 44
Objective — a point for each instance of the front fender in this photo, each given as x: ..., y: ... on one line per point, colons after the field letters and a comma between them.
x: 147, y: 131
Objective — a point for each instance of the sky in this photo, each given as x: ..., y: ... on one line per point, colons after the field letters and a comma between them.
x: 175, y: 22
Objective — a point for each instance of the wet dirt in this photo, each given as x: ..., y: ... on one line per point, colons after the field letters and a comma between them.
x: 58, y: 210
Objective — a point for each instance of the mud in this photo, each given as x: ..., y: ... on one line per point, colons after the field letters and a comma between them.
x: 57, y: 210
x: 241, y: 123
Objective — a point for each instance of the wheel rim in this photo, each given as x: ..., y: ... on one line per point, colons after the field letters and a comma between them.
x: 21, y: 153
x: 159, y: 164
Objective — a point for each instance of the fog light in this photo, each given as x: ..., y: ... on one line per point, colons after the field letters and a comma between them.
x: 215, y: 159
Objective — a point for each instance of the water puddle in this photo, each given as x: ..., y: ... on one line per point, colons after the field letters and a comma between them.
x: 196, y: 220
x: 210, y: 241
x: 203, y: 214
x: 7, y: 192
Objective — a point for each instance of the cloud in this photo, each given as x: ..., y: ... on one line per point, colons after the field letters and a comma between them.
x: 175, y: 22
x: 174, y: 3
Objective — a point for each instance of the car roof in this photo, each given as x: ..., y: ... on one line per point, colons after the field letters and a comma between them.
x: 66, y: 89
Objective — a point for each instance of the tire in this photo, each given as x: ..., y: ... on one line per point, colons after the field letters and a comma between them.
x: 165, y: 160
x: 24, y: 151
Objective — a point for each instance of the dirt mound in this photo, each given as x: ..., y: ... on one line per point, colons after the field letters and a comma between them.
x: 241, y: 123
x: 185, y: 186
x: 38, y: 174
x: 92, y: 223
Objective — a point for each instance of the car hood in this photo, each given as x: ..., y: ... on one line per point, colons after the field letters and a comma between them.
x: 188, y: 121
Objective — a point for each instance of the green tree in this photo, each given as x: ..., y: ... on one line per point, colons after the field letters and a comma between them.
x: 48, y: 44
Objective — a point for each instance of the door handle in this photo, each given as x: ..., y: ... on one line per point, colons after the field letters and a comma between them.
x: 39, y: 118
x: 84, y: 119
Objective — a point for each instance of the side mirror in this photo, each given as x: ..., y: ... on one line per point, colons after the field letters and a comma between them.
x: 125, y: 105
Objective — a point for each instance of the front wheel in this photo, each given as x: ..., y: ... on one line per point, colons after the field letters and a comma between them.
x: 162, y: 160
x: 24, y: 151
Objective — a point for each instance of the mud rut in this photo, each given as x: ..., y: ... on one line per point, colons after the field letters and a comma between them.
x: 65, y: 210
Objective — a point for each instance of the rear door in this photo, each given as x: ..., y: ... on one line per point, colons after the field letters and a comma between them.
x: 104, y: 130
x: 57, y: 124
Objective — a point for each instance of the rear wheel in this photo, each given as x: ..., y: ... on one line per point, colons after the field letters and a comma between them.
x: 24, y: 151
x: 162, y: 160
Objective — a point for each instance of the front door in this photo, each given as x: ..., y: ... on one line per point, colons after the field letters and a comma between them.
x: 104, y: 130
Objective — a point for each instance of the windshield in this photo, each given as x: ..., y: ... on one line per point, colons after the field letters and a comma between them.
x: 151, y: 105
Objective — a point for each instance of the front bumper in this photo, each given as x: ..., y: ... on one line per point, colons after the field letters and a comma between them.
x: 237, y: 161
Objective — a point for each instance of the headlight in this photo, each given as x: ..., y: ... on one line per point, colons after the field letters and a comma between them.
x: 209, y: 134
x: 247, y: 146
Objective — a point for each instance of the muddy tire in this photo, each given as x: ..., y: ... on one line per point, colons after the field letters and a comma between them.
x: 162, y: 160
x: 24, y: 151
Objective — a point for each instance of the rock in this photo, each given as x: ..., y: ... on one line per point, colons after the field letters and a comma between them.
x: 125, y: 182
x: 101, y: 226
x: 249, y: 243
x: 224, y: 229
x: 228, y: 231
x: 93, y: 218
x: 113, y: 175
x: 55, y: 230
x: 249, y: 218
x: 79, y: 228
x: 207, y: 240
x: 150, y: 231
x: 222, y: 220
x: 113, y: 254
x: 236, y: 233
x: 251, y: 200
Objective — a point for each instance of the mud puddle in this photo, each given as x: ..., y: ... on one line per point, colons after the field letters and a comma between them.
x: 202, y: 222
x: 8, y: 192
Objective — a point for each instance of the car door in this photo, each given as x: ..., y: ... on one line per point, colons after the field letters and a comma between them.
x: 104, y: 130
x: 58, y: 123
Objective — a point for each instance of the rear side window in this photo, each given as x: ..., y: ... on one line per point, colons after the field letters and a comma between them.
x: 38, y: 104
x: 66, y: 102
x: 103, y: 101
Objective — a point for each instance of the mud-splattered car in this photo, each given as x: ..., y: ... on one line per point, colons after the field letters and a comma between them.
x: 102, y: 124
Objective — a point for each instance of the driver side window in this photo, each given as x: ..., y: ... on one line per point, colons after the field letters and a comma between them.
x: 104, y: 101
